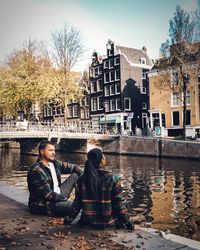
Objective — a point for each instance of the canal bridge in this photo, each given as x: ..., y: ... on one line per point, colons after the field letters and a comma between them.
x: 66, y: 138
x: 81, y: 139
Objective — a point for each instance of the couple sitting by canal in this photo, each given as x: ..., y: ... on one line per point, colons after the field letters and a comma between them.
x: 98, y: 192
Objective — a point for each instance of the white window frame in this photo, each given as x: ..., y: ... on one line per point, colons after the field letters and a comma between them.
x: 118, y: 83
x: 105, y: 90
x: 115, y: 61
x: 186, y: 117
x: 173, y: 118
x: 129, y: 99
x: 87, y: 113
x: 112, y: 85
x: 111, y: 65
x: 188, y: 98
x: 73, y: 111
x: 117, y: 105
x: 98, y: 106
x: 143, y: 61
x: 99, y: 85
x: 68, y: 113
x: 110, y: 73
x: 105, y: 80
x: 112, y: 101
x: 92, y: 87
x: 144, y: 90
x: 82, y: 113
x: 104, y: 64
x: 92, y: 103
x: 175, y: 100
x: 116, y: 75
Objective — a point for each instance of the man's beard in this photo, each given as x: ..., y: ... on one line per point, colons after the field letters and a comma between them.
x: 48, y: 158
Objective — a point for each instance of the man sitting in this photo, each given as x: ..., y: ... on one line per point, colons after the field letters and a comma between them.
x: 47, y: 194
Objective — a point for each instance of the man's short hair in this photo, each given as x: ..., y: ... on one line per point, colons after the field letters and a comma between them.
x: 43, y: 145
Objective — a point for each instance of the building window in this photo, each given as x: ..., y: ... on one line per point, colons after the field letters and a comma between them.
x: 118, y: 104
x: 143, y: 60
x: 107, y: 90
x: 69, y: 111
x: 91, y: 72
x: 155, y: 119
x: 105, y: 64
x: 117, y: 88
x: 86, y: 101
x: 144, y: 105
x: 188, y: 117
x: 175, y: 100
x: 112, y: 76
x: 144, y: 75
x: 100, y: 102
x: 96, y: 71
x: 82, y: 113
x: 58, y: 110
x: 174, y: 79
x: 112, y: 89
x: 75, y: 111
x: 188, y: 99
x: 112, y: 104
x: 106, y: 77
x: 87, y: 113
x: 117, y: 74
x: 144, y: 90
x: 107, y: 106
x: 111, y: 63
x: 116, y: 61
x: 163, y: 120
x: 176, y: 118
x: 127, y: 103
x: 93, y: 87
x: 94, y: 104
x: 99, y: 85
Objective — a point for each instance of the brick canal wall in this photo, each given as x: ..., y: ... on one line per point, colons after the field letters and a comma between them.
x: 125, y: 145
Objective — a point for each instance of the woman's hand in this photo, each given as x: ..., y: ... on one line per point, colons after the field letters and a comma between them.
x: 57, y: 221
x: 137, y: 227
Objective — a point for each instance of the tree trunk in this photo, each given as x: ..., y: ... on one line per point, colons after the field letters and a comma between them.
x: 184, y: 106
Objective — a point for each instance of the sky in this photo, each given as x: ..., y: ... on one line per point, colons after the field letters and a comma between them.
x: 128, y: 23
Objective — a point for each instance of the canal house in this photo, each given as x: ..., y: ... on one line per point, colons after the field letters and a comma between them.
x: 119, y: 97
x: 167, y: 86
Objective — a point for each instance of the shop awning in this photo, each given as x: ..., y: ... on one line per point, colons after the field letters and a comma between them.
x: 110, y: 119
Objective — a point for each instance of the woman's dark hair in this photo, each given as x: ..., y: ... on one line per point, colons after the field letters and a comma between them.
x: 43, y: 145
x: 92, y: 163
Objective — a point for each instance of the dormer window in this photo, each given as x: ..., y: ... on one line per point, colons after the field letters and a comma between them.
x: 143, y: 60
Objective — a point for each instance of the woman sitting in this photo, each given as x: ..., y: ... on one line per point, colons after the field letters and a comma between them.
x: 99, y: 195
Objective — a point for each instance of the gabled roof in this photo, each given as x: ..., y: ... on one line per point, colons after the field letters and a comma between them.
x: 135, y: 55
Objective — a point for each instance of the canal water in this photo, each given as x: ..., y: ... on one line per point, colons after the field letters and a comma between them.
x: 160, y: 193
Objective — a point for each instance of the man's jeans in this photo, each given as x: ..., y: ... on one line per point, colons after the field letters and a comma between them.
x: 62, y: 208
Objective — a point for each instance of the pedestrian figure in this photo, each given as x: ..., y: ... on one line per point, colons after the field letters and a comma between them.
x: 99, y: 195
x: 47, y: 194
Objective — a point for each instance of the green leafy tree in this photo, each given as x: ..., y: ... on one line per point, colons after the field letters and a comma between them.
x: 26, y: 79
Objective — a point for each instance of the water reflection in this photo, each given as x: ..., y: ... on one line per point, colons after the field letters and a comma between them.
x: 161, y: 193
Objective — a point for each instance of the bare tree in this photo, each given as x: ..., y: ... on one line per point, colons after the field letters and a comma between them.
x: 67, y: 51
x: 178, y: 55
x: 196, y: 18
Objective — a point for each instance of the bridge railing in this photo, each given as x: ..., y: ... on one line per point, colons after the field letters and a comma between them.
x: 30, y: 126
